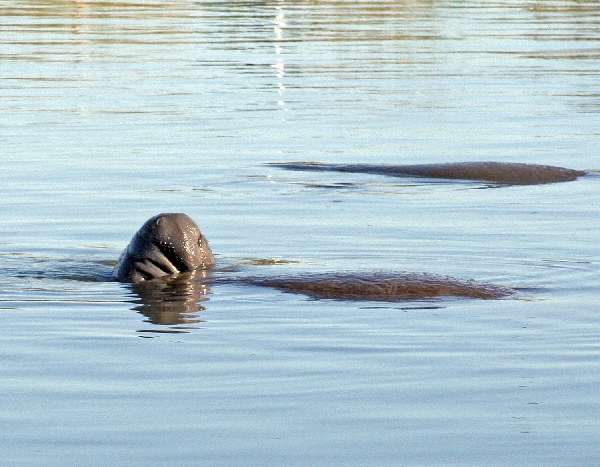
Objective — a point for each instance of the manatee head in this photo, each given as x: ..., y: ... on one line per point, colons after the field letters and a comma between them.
x: 166, y: 244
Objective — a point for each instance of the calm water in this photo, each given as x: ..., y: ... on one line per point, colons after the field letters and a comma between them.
x: 113, y: 111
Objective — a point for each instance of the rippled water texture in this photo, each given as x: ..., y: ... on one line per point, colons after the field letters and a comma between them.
x: 114, y: 111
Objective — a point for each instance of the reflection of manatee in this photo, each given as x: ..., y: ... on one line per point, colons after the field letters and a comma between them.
x: 173, y: 300
x: 166, y: 244
x: 496, y: 172
x: 172, y: 243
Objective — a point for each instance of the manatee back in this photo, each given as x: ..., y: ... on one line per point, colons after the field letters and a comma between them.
x: 381, y: 286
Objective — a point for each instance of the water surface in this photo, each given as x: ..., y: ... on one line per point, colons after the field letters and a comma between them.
x: 114, y: 111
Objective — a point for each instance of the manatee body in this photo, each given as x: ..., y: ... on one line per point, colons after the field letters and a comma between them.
x: 500, y: 173
x: 381, y: 286
x: 166, y: 244
x: 170, y: 244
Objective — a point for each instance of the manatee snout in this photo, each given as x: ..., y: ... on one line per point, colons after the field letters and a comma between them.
x: 168, y: 243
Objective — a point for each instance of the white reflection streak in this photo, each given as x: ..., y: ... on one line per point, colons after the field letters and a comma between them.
x: 279, y: 65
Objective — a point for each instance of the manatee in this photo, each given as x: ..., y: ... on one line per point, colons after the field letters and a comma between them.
x: 168, y: 243
x: 500, y: 173
x: 381, y: 286
x: 171, y: 244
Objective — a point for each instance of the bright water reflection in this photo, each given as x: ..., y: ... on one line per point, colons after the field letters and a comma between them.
x: 113, y: 111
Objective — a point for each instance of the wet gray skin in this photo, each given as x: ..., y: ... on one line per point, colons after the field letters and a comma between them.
x: 170, y: 244
x: 495, y: 172
x: 166, y: 244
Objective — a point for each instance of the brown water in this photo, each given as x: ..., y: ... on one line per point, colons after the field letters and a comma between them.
x: 111, y: 112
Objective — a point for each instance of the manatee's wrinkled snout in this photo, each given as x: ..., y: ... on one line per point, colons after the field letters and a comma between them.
x: 179, y: 239
x: 166, y: 244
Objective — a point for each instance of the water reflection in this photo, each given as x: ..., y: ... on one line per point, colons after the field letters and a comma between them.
x: 92, y: 8
x: 173, y: 301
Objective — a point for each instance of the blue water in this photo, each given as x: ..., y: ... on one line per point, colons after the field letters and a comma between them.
x: 111, y: 112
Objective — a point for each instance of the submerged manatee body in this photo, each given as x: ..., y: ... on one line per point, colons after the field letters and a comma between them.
x: 381, y: 286
x: 500, y: 173
x: 169, y: 244
x: 166, y: 244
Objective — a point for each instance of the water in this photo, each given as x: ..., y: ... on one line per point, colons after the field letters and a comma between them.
x: 114, y: 111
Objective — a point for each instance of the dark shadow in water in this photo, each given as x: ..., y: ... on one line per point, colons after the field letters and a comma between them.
x: 173, y: 301
x: 499, y: 173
